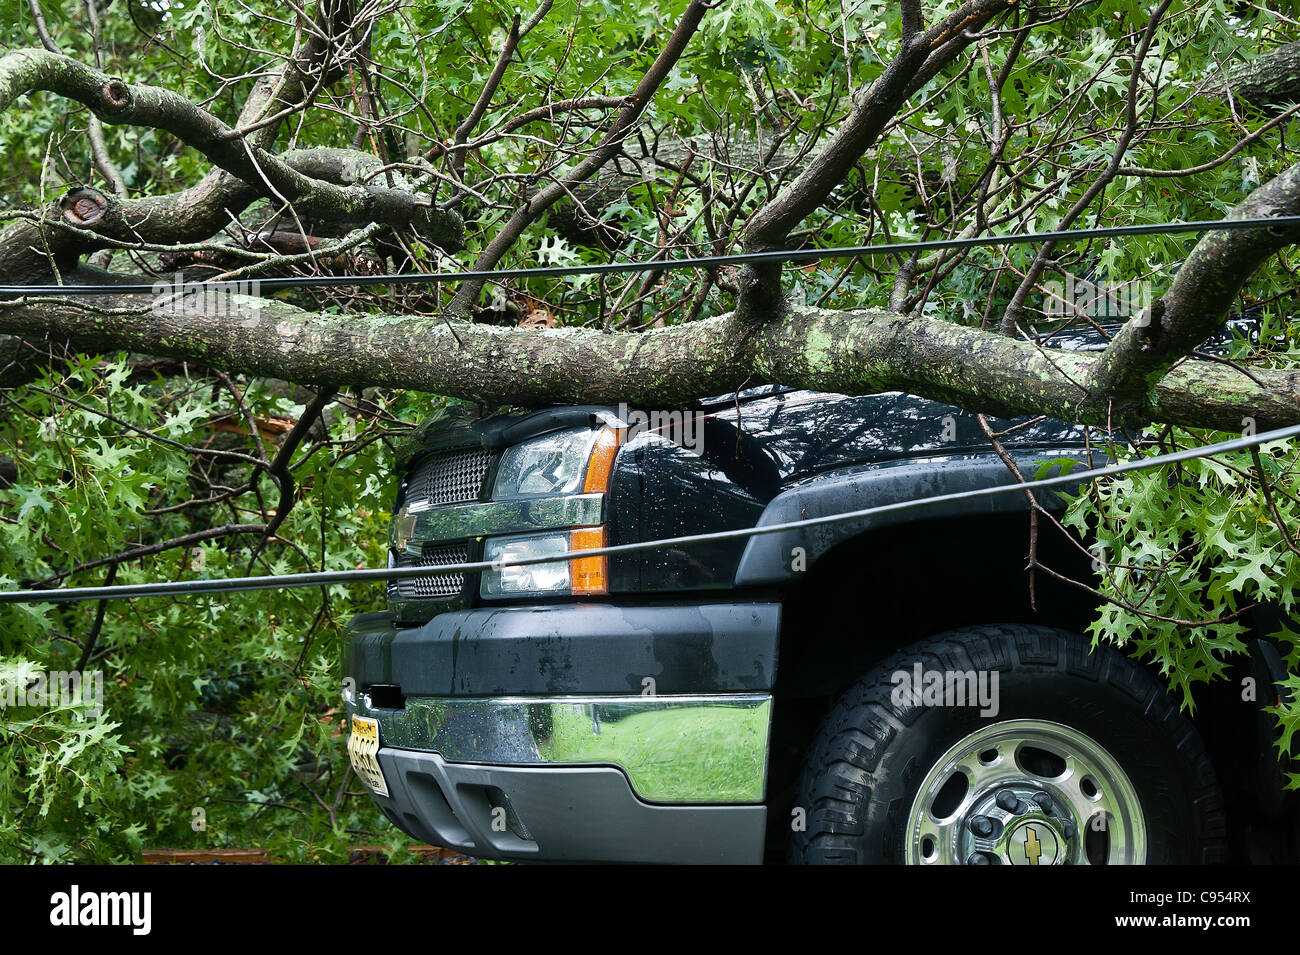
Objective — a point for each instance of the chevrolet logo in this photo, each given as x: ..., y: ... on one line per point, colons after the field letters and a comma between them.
x: 402, y: 529
x: 1034, y: 842
x: 1033, y: 848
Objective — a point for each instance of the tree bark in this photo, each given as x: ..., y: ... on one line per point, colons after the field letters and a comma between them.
x: 256, y: 171
x: 1271, y: 79
x: 1198, y: 299
x: 848, y: 352
x: 86, y: 220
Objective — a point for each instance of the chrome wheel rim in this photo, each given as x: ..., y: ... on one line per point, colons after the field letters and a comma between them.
x: 1026, y: 792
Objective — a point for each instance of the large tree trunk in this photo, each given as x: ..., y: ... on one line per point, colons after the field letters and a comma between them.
x: 850, y: 352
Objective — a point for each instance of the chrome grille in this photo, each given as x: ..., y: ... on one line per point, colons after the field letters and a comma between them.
x: 449, y: 477
x: 443, y: 585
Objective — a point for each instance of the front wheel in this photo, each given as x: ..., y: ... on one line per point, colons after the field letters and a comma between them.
x: 1008, y: 745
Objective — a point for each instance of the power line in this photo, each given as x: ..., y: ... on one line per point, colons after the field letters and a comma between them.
x: 662, y: 265
x: 324, y: 578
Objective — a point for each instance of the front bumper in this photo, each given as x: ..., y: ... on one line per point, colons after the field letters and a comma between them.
x: 574, y: 814
x: 570, y: 649
x: 574, y: 732
x: 612, y: 779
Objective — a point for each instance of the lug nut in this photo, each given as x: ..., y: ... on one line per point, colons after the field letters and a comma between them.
x: 977, y: 858
x: 1008, y: 801
x: 1044, y: 801
x: 1067, y: 826
x: 980, y: 825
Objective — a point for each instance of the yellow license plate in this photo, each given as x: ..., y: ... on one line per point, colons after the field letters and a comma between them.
x: 363, y: 750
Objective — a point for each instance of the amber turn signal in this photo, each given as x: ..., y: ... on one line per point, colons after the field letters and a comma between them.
x: 601, y: 463
x: 587, y: 574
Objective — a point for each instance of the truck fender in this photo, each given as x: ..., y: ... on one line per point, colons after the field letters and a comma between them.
x: 783, y: 555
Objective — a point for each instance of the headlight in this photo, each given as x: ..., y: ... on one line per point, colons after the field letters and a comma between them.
x: 577, y: 575
x: 567, y: 462
x: 551, y: 464
x: 552, y: 578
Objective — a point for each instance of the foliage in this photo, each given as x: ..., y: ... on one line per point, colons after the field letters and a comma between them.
x: 1186, y: 552
x: 224, y: 704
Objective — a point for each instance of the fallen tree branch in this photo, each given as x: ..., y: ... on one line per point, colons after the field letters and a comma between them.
x: 1272, y: 78
x: 609, y: 146
x: 848, y: 352
x: 1194, y: 307
x: 85, y: 220
x: 874, y: 106
x: 120, y: 103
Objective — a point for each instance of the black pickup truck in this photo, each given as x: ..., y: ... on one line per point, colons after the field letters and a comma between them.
x: 877, y: 690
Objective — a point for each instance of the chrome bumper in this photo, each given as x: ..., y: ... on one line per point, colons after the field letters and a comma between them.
x: 709, y: 749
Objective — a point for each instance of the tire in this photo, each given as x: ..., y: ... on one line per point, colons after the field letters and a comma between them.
x: 895, y: 779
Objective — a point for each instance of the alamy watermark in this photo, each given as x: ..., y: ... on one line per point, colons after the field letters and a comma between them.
x: 230, y: 300
x: 76, y: 907
x: 683, y: 428
x: 1079, y: 297
x: 52, y: 689
x: 948, y: 688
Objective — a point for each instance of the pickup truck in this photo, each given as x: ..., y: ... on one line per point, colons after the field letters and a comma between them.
x: 880, y: 690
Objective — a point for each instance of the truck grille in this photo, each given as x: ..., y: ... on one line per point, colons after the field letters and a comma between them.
x: 449, y: 477
x: 444, y: 585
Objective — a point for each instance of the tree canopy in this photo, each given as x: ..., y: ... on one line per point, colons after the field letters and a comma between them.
x: 149, y: 437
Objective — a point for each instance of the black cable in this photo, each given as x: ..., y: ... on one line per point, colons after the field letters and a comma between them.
x: 663, y: 265
x: 322, y: 578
